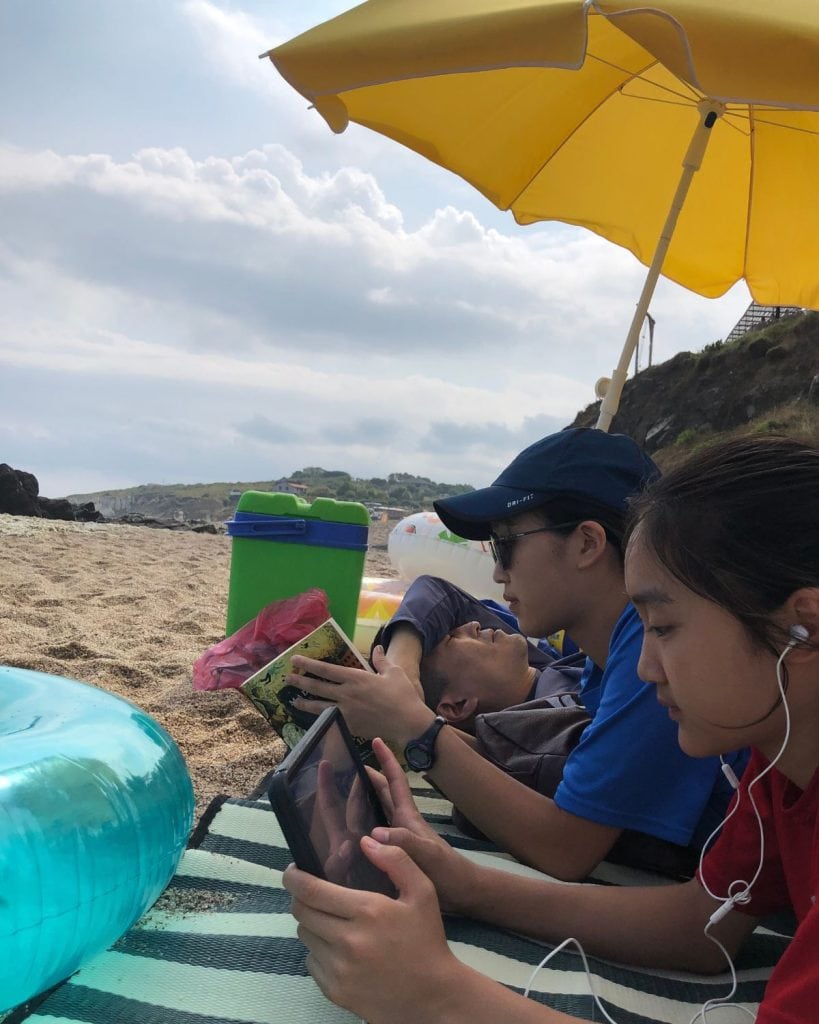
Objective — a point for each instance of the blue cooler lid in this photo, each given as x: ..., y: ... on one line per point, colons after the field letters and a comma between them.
x: 295, y: 530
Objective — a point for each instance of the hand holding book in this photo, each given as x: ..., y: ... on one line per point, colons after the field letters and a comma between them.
x: 275, y: 688
x: 387, y: 705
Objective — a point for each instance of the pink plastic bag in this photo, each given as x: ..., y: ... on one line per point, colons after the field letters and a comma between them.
x: 278, y: 626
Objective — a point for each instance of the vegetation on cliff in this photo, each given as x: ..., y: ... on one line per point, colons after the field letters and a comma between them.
x: 217, y: 501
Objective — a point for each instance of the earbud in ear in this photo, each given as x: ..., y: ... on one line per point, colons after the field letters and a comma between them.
x: 798, y: 635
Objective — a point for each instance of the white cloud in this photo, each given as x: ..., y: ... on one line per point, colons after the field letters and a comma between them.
x: 190, y: 311
x: 256, y: 248
x: 230, y: 38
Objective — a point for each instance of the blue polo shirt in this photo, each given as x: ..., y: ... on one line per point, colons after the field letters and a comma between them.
x: 628, y: 770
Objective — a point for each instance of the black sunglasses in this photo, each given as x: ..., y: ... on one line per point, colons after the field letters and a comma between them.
x: 502, y: 547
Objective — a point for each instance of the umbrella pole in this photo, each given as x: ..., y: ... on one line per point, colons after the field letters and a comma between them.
x: 709, y: 111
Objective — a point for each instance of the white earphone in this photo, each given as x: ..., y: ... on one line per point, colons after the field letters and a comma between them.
x: 798, y: 636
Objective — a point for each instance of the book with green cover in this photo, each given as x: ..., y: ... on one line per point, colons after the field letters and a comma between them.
x: 273, y: 697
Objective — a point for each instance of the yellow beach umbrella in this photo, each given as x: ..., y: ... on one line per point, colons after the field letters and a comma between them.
x: 599, y: 114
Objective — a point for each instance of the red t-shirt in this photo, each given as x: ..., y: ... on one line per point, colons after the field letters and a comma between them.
x: 789, y: 879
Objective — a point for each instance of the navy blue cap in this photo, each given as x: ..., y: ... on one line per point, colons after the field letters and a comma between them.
x: 578, y: 462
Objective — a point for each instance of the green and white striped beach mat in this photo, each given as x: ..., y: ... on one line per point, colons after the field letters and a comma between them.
x: 219, y: 947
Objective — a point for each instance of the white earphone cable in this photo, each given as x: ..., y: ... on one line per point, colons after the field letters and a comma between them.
x: 742, y: 895
x: 728, y: 902
x: 582, y: 952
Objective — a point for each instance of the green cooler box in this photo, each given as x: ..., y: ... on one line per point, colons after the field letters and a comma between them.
x: 283, y: 545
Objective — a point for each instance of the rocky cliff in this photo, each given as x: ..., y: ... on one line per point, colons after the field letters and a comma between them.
x: 765, y: 380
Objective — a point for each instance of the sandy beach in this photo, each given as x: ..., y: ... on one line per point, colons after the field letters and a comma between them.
x: 129, y: 609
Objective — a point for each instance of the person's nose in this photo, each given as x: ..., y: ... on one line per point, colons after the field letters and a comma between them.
x: 499, y: 574
x: 649, y: 667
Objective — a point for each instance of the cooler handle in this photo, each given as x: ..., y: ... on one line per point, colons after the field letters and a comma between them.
x: 272, y: 528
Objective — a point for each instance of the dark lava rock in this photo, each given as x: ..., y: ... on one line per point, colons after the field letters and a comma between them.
x: 20, y: 496
x: 56, y: 508
x: 18, y: 492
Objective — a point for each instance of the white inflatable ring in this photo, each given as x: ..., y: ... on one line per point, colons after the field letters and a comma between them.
x: 421, y: 545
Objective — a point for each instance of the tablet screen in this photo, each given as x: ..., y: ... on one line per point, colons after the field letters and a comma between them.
x: 337, y: 806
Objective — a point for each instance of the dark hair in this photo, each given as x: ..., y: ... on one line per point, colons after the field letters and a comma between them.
x: 738, y: 524
x: 573, y: 511
x: 434, y: 683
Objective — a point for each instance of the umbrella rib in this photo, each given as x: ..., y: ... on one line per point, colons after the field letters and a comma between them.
x: 576, y: 129
x: 736, y: 127
x: 745, y: 115
x: 694, y: 95
x: 787, y: 127
x: 656, y: 99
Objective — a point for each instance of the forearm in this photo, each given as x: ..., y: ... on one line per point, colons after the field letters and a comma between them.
x: 430, y: 608
x: 470, y: 997
x: 465, y: 737
x: 406, y: 649
x: 526, y: 823
x: 658, y: 926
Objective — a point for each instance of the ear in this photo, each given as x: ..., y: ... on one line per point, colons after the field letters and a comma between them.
x: 456, y: 710
x: 593, y: 543
x: 802, y: 609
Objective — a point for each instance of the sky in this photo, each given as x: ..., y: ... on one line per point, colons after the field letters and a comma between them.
x: 200, y: 282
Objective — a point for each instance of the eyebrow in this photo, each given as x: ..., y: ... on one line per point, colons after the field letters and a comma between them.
x: 650, y: 596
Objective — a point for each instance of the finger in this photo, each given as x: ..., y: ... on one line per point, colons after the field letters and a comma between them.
x: 327, y: 670
x: 320, y: 949
x: 380, y: 658
x: 316, y: 894
x: 323, y: 966
x: 328, y: 805
x: 313, y: 707
x: 386, y: 758
x: 322, y: 688
x: 396, y: 863
x: 338, y: 865
x: 319, y: 931
x: 382, y: 790
x: 356, y: 809
x: 400, y: 793
x: 318, y: 972
x: 396, y: 835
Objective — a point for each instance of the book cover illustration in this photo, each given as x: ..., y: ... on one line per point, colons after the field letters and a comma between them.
x: 273, y: 697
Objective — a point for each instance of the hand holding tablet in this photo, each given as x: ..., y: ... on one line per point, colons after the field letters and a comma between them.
x: 325, y: 802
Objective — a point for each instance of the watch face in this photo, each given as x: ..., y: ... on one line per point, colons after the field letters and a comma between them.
x: 418, y: 756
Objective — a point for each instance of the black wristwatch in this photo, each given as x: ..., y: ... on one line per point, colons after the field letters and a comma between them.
x: 420, y: 753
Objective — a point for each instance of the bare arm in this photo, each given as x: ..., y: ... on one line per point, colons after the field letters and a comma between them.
x: 406, y: 651
x: 526, y: 823
x: 657, y: 926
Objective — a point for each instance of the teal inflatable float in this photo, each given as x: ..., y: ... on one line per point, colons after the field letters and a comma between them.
x: 96, y: 804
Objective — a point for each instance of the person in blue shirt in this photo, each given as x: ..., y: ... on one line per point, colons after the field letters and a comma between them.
x: 554, y: 519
